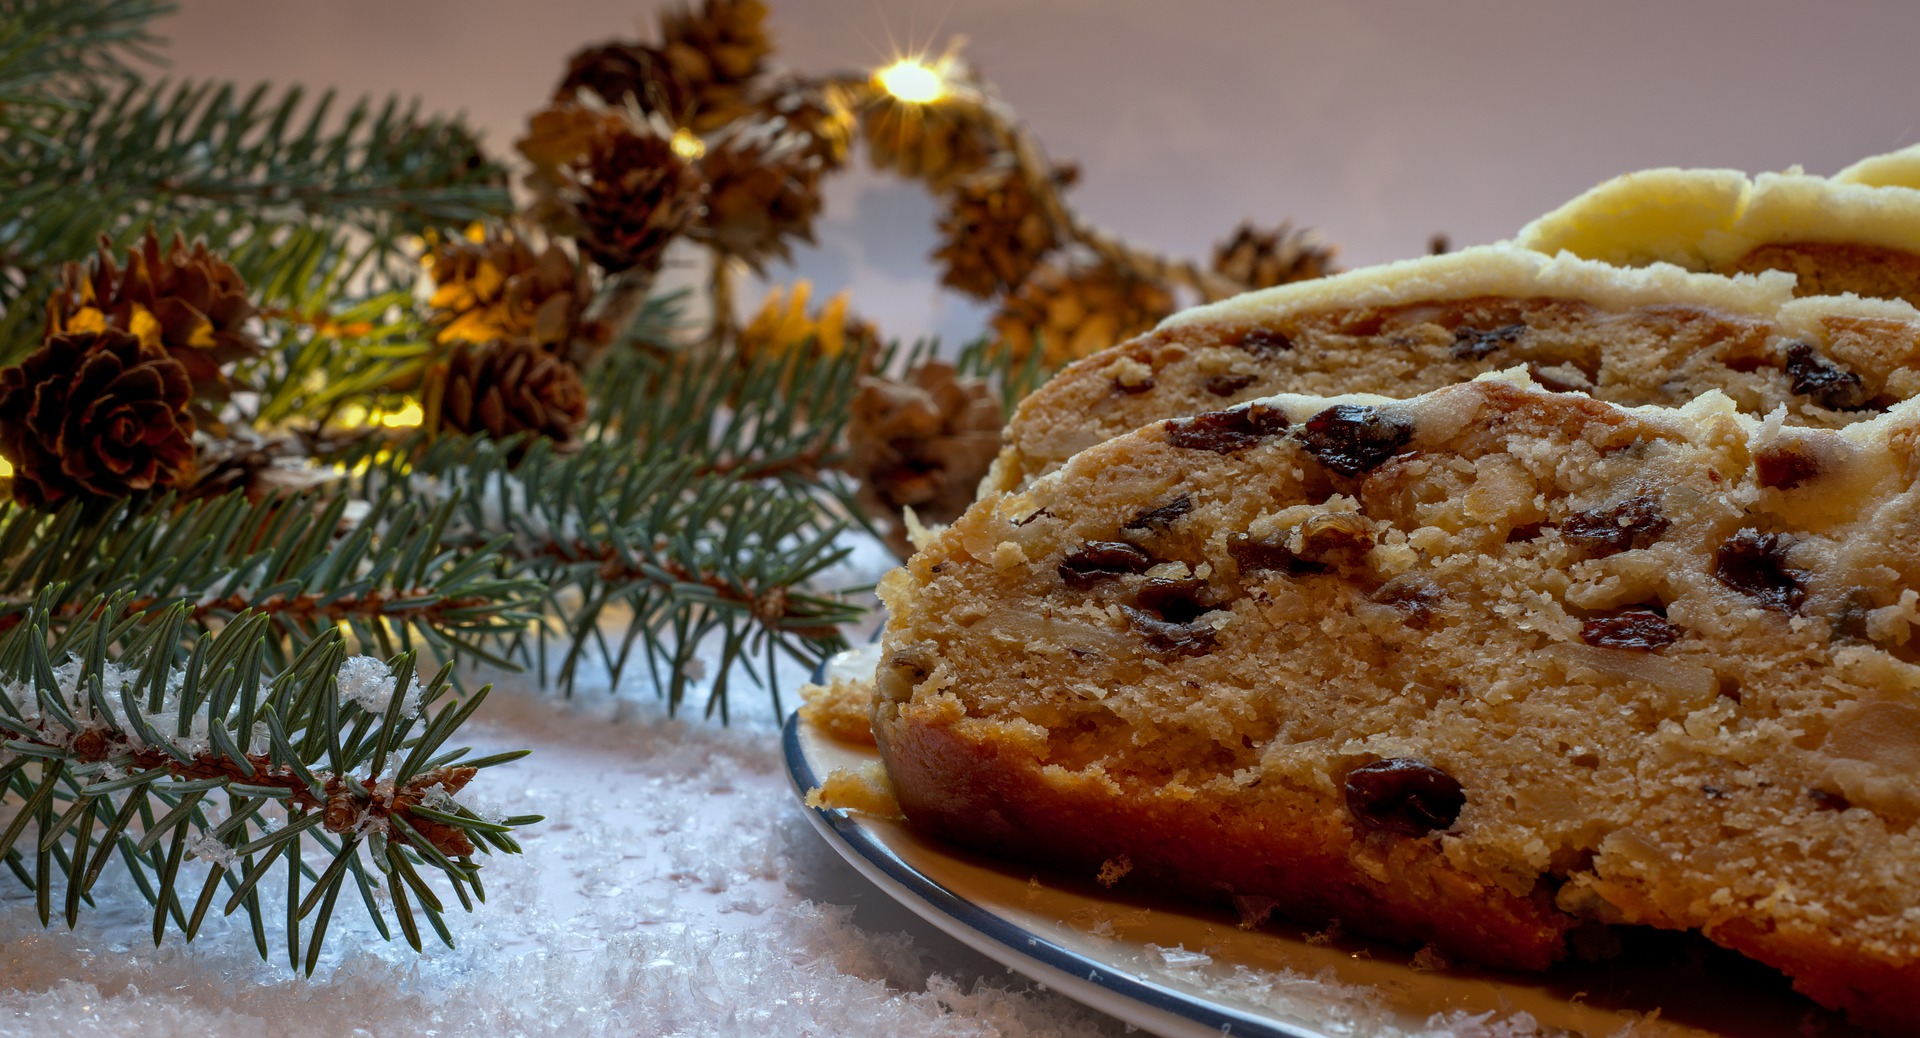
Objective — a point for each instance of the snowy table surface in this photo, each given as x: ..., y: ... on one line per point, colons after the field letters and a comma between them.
x: 675, y: 888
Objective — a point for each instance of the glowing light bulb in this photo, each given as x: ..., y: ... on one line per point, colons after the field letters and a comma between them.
x: 687, y: 145
x: 912, y: 80
x: 409, y: 416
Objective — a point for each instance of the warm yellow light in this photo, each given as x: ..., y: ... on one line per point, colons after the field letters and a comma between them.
x: 6, y: 468
x: 408, y: 417
x: 687, y: 144
x: 358, y: 416
x: 912, y: 80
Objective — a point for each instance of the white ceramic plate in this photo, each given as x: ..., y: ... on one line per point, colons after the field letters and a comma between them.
x: 1185, y: 972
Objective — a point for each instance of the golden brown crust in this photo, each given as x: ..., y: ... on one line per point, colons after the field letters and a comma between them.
x: 1292, y: 852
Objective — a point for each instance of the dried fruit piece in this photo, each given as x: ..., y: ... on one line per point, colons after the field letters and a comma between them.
x: 1224, y: 432
x: 1167, y: 636
x: 1336, y: 537
x: 1641, y: 629
x: 1353, y: 438
x: 1254, y: 555
x: 1475, y: 343
x: 1265, y: 342
x: 1134, y: 388
x: 1227, y: 385
x: 1175, y: 600
x: 1784, y: 468
x: 1826, y: 801
x: 1098, y: 560
x: 1826, y: 383
x: 1162, y: 517
x: 1755, y: 564
x: 1634, y: 523
x: 1411, y: 595
x: 1403, y: 796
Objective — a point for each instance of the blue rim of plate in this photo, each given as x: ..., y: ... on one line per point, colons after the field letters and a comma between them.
x: 1022, y: 943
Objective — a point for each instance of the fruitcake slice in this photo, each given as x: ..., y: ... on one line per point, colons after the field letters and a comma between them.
x: 1472, y: 669
x: 1633, y: 336
x: 1856, y: 232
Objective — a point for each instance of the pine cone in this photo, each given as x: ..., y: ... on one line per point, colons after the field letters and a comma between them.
x: 1079, y: 310
x: 993, y: 233
x: 924, y: 443
x: 614, y: 72
x: 186, y: 301
x: 564, y: 132
x: 497, y: 287
x: 96, y: 414
x: 717, y: 51
x: 938, y: 144
x: 1263, y: 259
x: 818, y: 111
x: 630, y: 196
x: 763, y: 188
x: 502, y: 388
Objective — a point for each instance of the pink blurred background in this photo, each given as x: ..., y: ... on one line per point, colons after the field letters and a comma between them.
x: 1380, y: 123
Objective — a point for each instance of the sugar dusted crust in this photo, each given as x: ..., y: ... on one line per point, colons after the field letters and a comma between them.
x: 1857, y: 232
x: 1655, y: 335
x: 1662, y: 656
x: 1894, y: 169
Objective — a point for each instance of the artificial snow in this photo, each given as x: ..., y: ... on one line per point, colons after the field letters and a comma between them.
x: 370, y: 683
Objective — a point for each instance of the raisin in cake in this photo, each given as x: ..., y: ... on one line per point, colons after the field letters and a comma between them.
x: 1657, y: 335
x: 1856, y: 232
x: 1473, y: 669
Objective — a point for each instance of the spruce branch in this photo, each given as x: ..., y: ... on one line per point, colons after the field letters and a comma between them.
x: 686, y: 555
x: 301, y: 562
x: 53, y: 51
x: 121, y: 739
x: 302, y: 200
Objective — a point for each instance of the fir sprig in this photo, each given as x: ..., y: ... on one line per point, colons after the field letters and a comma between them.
x: 305, y: 563
x: 304, y: 201
x: 53, y: 51
x: 681, y: 556
x: 121, y: 741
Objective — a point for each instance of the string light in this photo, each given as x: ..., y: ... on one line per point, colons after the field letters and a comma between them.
x: 409, y: 416
x: 912, y: 80
x: 686, y: 144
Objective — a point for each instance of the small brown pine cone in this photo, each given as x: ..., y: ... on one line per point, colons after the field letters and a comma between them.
x: 614, y: 72
x: 503, y: 388
x: 631, y: 196
x: 922, y: 443
x: 718, y: 50
x: 187, y: 301
x: 1078, y: 310
x: 820, y: 112
x: 96, y: 415
x: 564, y: 132
x: 993, y: 233
x: 935, y: 143
x: 1263, y: 259
x: 499, y: 288
x: 763, y: 188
